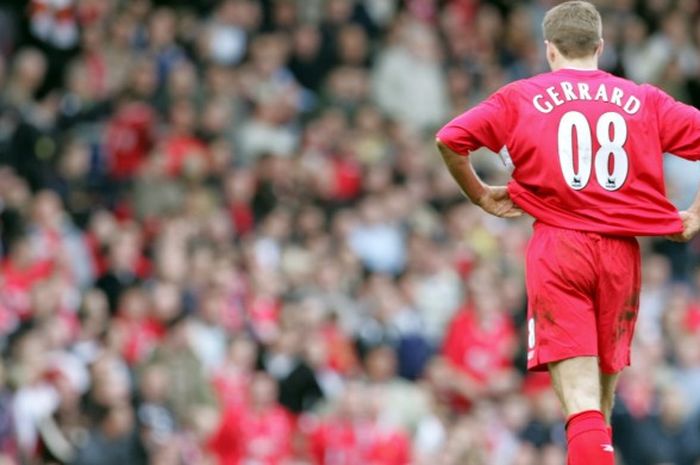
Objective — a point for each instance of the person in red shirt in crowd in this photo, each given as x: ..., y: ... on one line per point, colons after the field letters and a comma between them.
x: 20, y: 272
x: 480, y: 344
x: 232, y: 380
x: 353, y: 435
x: 139, y: 332
x: 586, y: 151
x: 341, y: 356
x: 346, y: 175
x: 97, y: 237
x: 240, y: 190
x: 258, y: 432
x: 129, y: 137
x: 184, y: 152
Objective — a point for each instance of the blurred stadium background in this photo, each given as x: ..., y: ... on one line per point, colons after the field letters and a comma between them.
x: 227, y: 239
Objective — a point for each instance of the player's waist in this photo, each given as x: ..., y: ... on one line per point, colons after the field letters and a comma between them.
x: 542, y: 225
x: 616, y: 220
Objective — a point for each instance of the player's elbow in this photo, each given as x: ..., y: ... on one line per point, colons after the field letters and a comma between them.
x: 445, y: 150
x: 440, y: 144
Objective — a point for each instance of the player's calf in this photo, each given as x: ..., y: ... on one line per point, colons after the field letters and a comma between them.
x: 608, y: 383
x: 577, y: 382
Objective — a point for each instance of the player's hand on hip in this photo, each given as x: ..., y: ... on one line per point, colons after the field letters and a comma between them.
x: 496, y: 201
x: 691, y: 226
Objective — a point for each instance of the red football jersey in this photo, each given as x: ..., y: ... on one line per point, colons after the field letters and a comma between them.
x: 481, y: 351
x: 586, y: 149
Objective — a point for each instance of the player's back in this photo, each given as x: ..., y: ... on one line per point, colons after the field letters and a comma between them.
x: 587, y: 149
x: 588, y: 152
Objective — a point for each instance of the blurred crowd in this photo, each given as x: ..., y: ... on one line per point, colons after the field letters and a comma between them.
x: 226, y: 237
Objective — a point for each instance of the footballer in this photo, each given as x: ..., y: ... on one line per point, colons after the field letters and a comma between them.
x: 587, y: 151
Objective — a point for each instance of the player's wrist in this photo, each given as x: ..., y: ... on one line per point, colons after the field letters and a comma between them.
x: 694, y: 210
x: 481, y: 196
x: 480, y: 199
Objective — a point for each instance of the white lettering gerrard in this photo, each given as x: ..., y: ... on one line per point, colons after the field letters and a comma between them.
x: 567, y: 92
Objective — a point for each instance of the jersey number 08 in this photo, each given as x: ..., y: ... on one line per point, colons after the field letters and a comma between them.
x: 608, y: 179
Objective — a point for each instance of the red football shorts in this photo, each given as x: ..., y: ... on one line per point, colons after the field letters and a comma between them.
x: 583, y: 297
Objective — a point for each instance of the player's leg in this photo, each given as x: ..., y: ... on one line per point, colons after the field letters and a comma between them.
x: 608, y: 383
x: 617, y: 303
x: 561, y: 279
x: 577, y: 383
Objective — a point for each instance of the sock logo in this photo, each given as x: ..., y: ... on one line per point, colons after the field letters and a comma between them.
x: 607, y: 448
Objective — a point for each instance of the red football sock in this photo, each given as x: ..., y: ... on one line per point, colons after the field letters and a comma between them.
x: 589, y: 439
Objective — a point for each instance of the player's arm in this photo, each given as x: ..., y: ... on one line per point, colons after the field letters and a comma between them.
x: 493, y: 199
x: 483, y: 126
x: 679, y: 128
x: 691, y: 222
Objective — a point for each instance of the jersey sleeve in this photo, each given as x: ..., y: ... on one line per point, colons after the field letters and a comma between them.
x: 485, y: 125
x: 679, y: 126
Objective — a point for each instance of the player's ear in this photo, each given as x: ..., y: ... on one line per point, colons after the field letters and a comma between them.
x: 601, y: 47
x: 551, y: 52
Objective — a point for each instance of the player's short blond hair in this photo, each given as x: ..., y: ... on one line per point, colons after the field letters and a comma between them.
x: 574, y: 27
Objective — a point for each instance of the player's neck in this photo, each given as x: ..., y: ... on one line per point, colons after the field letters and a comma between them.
x: 583, y: 64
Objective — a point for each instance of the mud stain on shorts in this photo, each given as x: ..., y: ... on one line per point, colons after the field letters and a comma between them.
x: 543, y: 312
